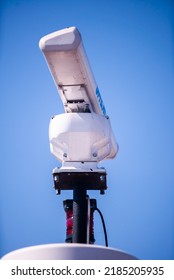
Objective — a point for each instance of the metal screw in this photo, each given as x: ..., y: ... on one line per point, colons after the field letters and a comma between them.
x: 94, y: 154
x: 56, y: 178
x: 102, y: 178
x: 65, y: 155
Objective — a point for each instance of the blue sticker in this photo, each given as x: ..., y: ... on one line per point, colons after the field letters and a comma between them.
x: 100, y: 101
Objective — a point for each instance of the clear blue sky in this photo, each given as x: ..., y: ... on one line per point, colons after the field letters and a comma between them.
x: 130, y: 46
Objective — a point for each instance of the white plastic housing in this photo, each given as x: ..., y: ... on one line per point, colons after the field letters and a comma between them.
x: 81, y: 137
x: 68, y: 252
x: 69, y: 65
x: 84, y: 134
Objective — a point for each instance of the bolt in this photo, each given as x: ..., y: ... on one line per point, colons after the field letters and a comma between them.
x: 65, y: 155
x: 102, y: 178
x: 56, y: 178
x: 94, y: 154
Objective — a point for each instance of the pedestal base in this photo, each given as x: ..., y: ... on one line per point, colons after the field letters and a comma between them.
x: 68, y: 252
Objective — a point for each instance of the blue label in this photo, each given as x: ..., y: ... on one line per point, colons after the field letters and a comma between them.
x: 100, y: 101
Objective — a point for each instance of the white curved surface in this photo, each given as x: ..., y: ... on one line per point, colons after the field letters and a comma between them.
x: 68, y: 252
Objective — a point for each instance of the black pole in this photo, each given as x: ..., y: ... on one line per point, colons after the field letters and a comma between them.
x: 79, y: 215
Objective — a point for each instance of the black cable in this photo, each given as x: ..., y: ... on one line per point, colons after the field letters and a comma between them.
x: 104, y: 227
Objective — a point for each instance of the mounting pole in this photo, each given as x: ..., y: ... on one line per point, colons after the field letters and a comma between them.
x: 79, y: 215
x: 79, y: 182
